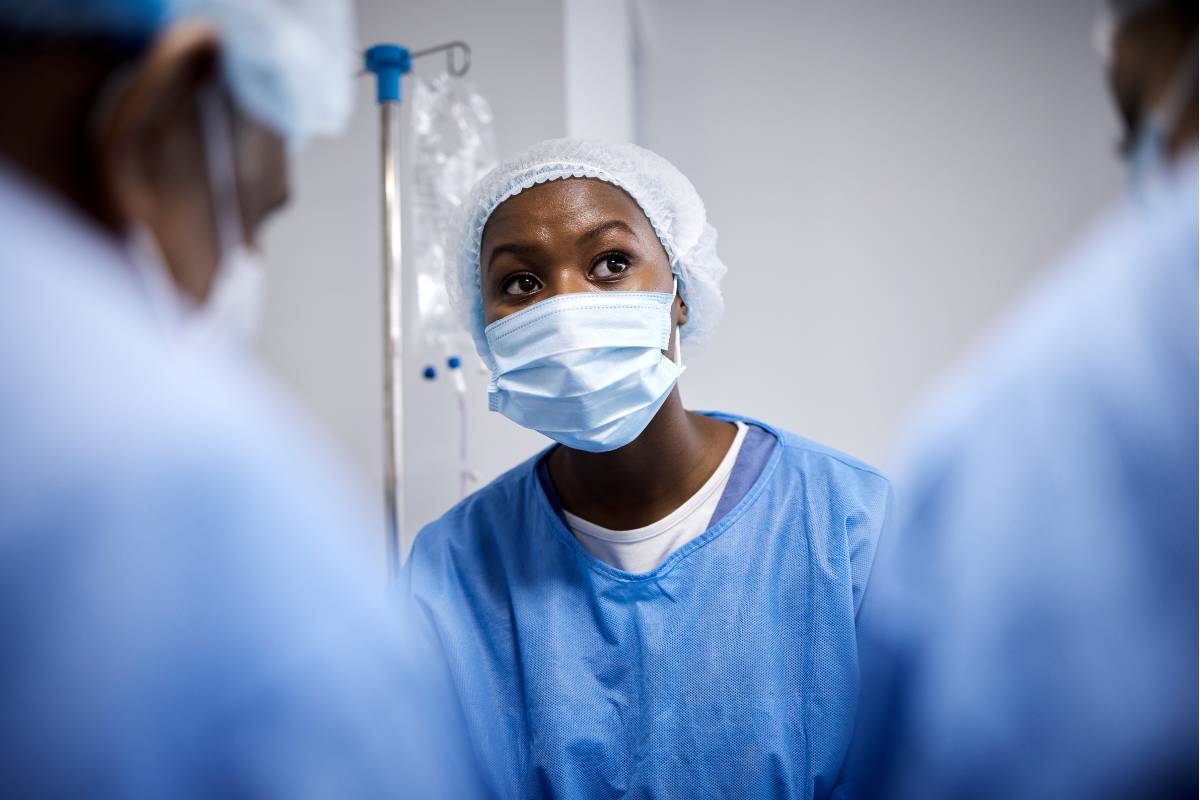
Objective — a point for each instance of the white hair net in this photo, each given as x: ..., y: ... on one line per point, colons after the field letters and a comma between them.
x: 288, y: 63
x: 667, y: 198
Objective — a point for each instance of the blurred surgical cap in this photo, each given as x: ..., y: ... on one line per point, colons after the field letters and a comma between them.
x: 288, y: 63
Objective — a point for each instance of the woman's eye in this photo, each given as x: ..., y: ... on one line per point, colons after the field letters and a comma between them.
x: 521, y: 284
x: 610, y: 266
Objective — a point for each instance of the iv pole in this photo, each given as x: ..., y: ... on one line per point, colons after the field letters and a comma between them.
x: 389, y: 63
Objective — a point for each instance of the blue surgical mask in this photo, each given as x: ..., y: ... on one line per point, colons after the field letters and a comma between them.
x: 585, y: 369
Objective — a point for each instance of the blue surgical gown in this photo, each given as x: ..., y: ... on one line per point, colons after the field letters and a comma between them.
x: 729, y: 670
x: 1030, y: 631
x: 186, y: 605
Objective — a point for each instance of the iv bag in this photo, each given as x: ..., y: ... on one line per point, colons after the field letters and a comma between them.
x: 453, y: 146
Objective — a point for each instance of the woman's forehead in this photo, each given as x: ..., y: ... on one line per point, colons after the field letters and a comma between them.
x: 565, y: 204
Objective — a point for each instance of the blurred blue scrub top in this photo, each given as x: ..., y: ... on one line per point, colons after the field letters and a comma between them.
x: 1031, y: 630
x: 728, y: 671
x: 184, y: 607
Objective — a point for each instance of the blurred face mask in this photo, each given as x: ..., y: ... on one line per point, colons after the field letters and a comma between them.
x: 585, y: 369
x: 232, y: 310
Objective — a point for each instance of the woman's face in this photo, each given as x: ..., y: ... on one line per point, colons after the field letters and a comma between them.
x: 574, y: 235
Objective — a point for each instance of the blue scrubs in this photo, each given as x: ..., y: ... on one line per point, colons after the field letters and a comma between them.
x: 729, y: 670
x: 1030, y: 631
x: 185, y: 611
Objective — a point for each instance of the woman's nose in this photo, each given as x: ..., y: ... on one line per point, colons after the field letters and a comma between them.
x: 566, y: 280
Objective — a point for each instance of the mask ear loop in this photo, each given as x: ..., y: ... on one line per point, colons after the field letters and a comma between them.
x: 151, y: 270
x: 222, y: 172
x: 678, y: 333
x: 234, y: 296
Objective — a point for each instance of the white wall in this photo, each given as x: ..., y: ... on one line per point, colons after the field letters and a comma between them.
x: 885, y: 177
x: 599, y: 53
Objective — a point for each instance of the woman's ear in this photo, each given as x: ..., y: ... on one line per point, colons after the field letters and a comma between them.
x: 141, y: 136
x: 681, y: 312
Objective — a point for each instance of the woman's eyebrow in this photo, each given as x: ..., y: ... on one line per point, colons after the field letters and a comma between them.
x: 513, y: 249
x: 605, y: 227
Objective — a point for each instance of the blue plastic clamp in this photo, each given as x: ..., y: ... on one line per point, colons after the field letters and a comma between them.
x: 389, y: 62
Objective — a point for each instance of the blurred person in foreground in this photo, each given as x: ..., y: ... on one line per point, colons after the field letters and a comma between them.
x: 184, y: 609
x: 1030, y: 630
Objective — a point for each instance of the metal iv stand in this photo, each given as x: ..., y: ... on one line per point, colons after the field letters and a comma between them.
x: 389, y: 63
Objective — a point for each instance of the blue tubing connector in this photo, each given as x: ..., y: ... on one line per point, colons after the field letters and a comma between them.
x: 389, y: 62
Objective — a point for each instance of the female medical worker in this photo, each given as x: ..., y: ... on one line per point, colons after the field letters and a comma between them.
x: 663, y: 603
